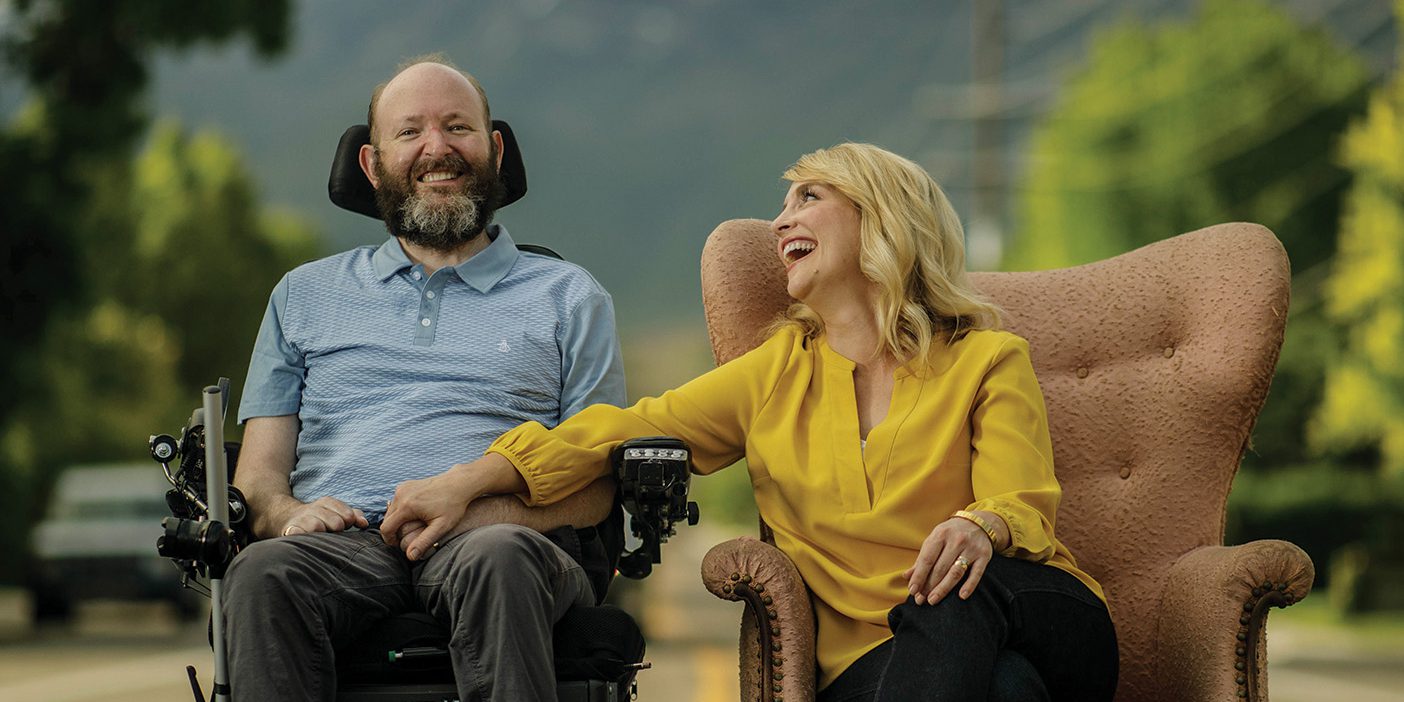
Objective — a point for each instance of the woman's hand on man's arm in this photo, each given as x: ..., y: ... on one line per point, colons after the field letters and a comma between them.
x: 425, y: 512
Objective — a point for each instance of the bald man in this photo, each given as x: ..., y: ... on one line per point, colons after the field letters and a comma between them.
x: 400, y: 362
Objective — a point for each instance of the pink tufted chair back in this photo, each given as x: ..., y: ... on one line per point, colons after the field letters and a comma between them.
x: 1153, y: 364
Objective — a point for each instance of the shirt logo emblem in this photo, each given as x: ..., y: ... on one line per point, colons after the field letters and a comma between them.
x: 503, y: 346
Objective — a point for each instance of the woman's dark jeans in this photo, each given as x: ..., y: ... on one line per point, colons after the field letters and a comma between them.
x: 1029, y: 632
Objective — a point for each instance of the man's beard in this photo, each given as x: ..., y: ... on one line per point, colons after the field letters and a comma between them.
x: 439, y: 221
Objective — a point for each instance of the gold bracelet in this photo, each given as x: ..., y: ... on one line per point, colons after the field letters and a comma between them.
x: 980, y: 522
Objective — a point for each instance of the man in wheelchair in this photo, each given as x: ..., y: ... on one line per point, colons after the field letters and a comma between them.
x: 391, y: 363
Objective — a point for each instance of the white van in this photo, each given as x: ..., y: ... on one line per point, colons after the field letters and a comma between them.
x: 98, y: 541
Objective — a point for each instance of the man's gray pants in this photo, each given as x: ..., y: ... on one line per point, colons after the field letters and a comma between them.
x: 290, y: 602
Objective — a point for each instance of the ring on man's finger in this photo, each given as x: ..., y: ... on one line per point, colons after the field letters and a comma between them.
x: 962, y: 562
x: 287, y: 530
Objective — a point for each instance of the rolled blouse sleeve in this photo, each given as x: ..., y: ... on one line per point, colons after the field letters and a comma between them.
x: 1012, y: 454
x: 711, y: 413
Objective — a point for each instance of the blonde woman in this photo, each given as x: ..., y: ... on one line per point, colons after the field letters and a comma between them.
x: 898, y: 446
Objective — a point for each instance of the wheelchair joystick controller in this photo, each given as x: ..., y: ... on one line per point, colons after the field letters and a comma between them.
x: 654, y: 475
x: 193, y: 538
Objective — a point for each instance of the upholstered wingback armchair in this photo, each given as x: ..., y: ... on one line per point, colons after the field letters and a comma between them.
x: 1154, y: 365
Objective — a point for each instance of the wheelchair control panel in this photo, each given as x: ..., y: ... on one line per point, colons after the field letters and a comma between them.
x: 654, y: 475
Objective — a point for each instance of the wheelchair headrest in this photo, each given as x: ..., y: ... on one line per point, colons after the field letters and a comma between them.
x: 349, y: 189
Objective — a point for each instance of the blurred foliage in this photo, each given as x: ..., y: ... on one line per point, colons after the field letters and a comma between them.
x: 177, y: 286
x: 1233, y: 115
x: 1361, y: 415
x: 203, y: 255
x: 1363, y: 404
x: 1321, y: 508
x: 1238, y: 114
x: 726, y: 496
x: 101, y: 341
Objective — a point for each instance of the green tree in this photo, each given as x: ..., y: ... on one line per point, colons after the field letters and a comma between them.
x: 85, y: 68
x: 1363, y: 404
x: 1361, y: 414
x: 1230, y: 115
x: 204, y: 257
x: 176, y: 309
x: 83, y: 372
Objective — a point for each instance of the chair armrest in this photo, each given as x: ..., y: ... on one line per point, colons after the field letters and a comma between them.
x: 777, y: 657
x: 1212, y: 628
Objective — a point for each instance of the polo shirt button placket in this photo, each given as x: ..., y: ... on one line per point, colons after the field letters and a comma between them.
x: 428, y: 310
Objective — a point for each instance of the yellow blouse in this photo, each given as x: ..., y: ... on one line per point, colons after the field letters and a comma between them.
x: 969, y: 431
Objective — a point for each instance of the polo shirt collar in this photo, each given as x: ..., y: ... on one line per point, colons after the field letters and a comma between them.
x: 484, y: 270
x: 389, y: 259
x: 491, y: 265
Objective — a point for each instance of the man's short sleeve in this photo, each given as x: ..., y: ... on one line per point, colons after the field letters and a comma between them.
x: 276, y: 371
x: 592, y: 367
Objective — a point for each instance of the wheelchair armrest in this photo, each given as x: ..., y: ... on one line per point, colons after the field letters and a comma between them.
x: 1212, y: 640
x: 777, y: 629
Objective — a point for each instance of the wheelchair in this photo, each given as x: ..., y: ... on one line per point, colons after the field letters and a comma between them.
x: 404, y: 658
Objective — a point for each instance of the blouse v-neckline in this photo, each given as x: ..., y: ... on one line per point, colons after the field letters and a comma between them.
x: 860, y: 487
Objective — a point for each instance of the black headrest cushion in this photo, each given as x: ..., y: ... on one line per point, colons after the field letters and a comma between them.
x: 350, y: 190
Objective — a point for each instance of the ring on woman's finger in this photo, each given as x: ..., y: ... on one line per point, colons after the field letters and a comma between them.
x: 962, y: 562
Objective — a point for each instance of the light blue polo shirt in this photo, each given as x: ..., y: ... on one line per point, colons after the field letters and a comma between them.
x: 396, y: 375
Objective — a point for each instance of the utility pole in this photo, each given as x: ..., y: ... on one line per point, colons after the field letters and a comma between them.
x: 985, y: 235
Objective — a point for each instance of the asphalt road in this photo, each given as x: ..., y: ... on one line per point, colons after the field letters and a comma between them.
x: 137, y: 652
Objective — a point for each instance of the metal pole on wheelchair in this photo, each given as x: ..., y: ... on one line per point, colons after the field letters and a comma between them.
x: 217, y: 497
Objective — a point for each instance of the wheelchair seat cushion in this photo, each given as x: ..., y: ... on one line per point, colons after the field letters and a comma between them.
x: 590, y: 643
x: 596, y: 549
x: 597, y: 643
x: 369, y: 659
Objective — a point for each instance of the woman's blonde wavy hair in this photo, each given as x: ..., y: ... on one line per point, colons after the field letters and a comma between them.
x: 911, y: 244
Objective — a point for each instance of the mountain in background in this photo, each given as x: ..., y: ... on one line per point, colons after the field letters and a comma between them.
x: 643, y: 125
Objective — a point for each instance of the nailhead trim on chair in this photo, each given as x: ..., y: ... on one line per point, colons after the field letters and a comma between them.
x: 1251, y: 623
x: 744, y: 588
